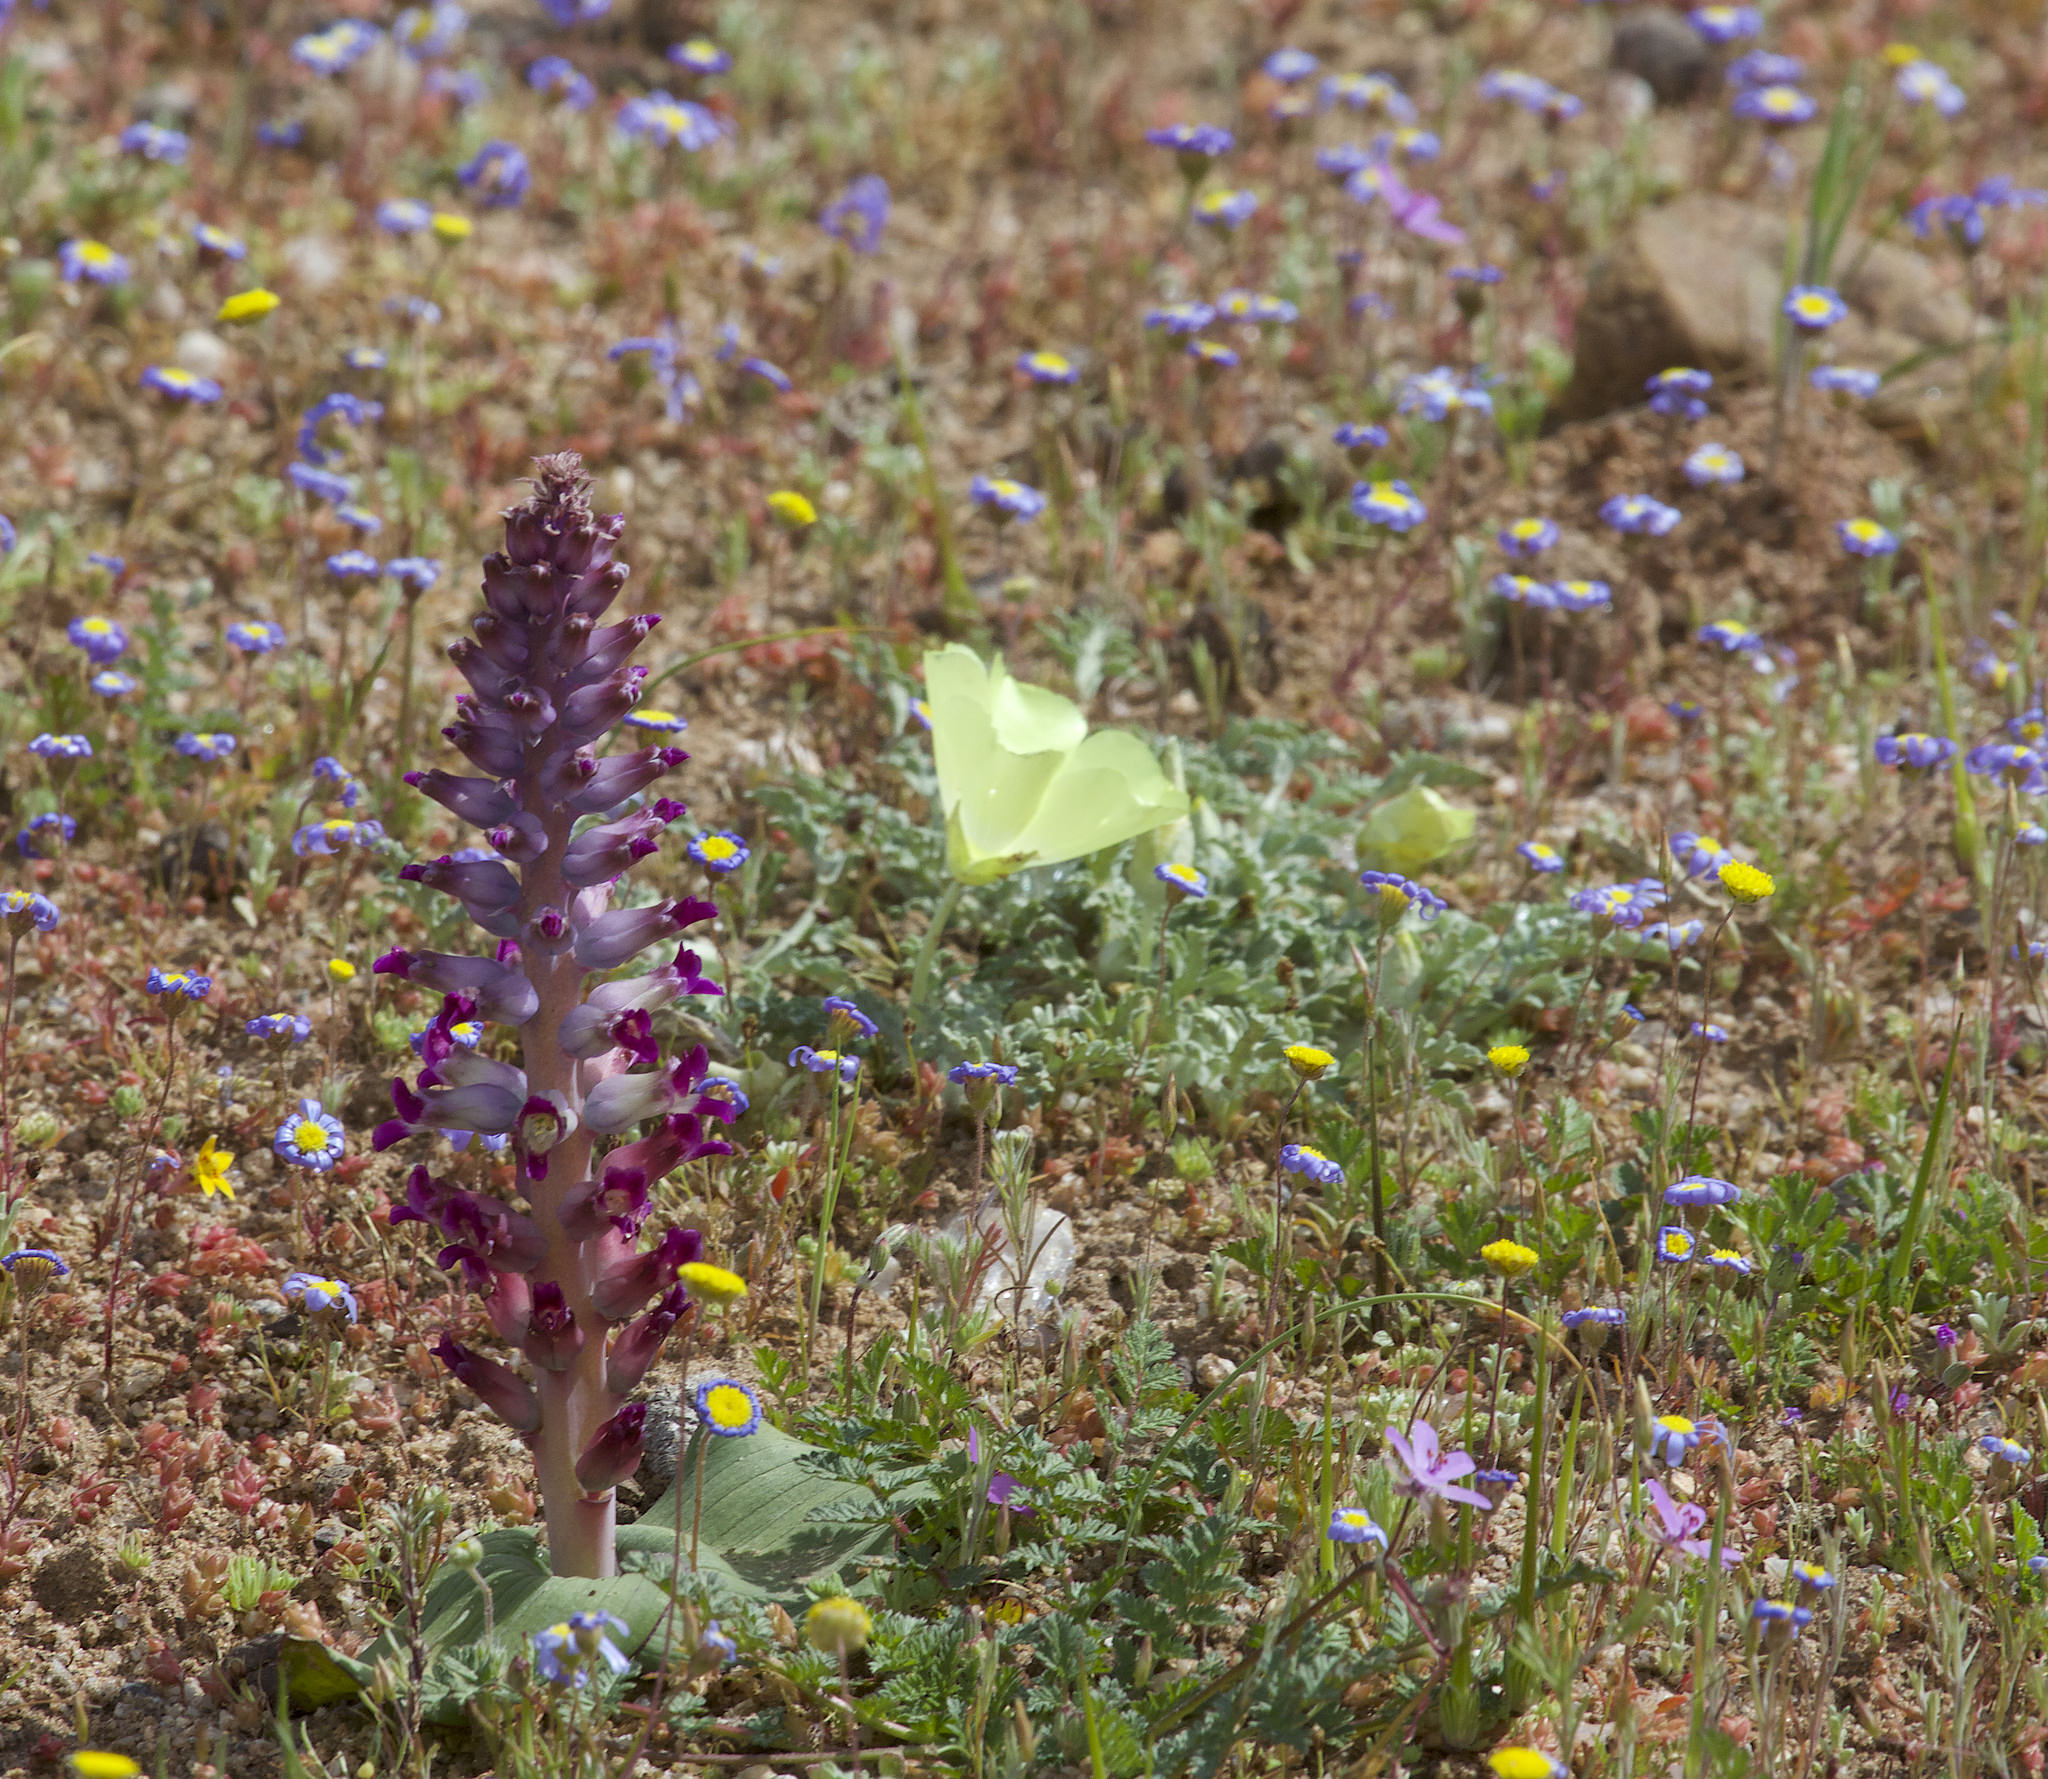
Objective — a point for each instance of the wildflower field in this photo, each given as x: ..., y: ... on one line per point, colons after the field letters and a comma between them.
x: 1090, y: 888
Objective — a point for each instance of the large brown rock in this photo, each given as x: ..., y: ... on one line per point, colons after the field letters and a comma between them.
x: 1698, y: 282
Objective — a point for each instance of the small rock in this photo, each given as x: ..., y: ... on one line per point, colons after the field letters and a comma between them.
x: 315, y: 263
x: 139, y: 1380
x: 1698, y: 282
x: 205, y: 858
x: 202, y: 353
x: 1211, y: 1369
x: 1662, y: 51
x: 662, y: 1440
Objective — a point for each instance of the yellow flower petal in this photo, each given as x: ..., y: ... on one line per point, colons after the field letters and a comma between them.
x: 248, y: 305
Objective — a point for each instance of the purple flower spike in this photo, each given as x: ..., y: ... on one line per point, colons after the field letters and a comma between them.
x: 560, y: 1276
x: 1431, y: 1469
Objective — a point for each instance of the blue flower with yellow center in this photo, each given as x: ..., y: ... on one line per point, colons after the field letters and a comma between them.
x: 1048, y: 367
x: 255, y: 636
x: 1521, y: 589
x: 102, y: 639
x: 825, y: 1062
x: 1776, y: 105
x: 1839, y: 379
x: 662, y: 722
x: 1541, y: 857
x: 1640, y: 515
x: 1180, y: 318
x: 1359, y: 437
x: 218, y: 242
x: 1865, y: 537
x: 1913, y: 752
x: 311, y: 1138
x: 180, y: 385
x: 1673, y: 1438
x: 1398, y: 894
x: 1369, y: 92
x: 1813, y: 308
x: 318, y: 1296
x: 1184, y: 879
x: 1391, y: 503
x: 726, y: 1407
x: 699, y: 56
x: 181, y: 983
x: 1311, y: 1163
x: 1226, y: 209
x: 1213, y: 355
x: 1353, y: 1525
x: 91, y: 262
x: 1730, y: 635
x: 1713, y: 464
x: 1006, y: 498
x: 1621, y: 904
x: 1702, y: 1192
x: 1698, y: 853
x: 1528, y: 537
x: 663, y: 119
x: 1582, y: 596
x: 719, y: 851
x: 1675, y: 1246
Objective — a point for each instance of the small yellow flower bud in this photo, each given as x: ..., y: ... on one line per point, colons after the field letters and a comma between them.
x: 1510, y: 1059
x: 248, y: 305
x: 1309, y: 1063
x: 792, y: 509
x: 839, y: 1626
x: 339, y: 969
x: 711, y: 1285
x: 451, y: 227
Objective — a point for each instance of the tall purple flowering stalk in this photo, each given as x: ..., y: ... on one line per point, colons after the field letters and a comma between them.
x: 564, y: 1280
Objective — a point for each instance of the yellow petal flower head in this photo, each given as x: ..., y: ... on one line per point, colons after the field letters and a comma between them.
x: 339, y: 969
x: 1510, y: 1259
x: 711, y: 1285
x: 1525, y: 1763
x: 1510, y: 1059
x: 448, y: 226
x: 248, y: 305
x: 839, y: 1626
x: 210, y: 1171
x: 95, y: 1763
x: 1746, y: 883
x: 792, y: 509
x: 1309, y: 1063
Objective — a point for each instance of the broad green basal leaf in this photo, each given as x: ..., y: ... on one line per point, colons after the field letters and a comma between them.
x: 772, y: 1522
x: 1022, y: 782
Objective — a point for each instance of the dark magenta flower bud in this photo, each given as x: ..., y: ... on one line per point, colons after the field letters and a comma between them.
x: 614, y: 1451
x: 636, y: 1346
x: 503, y: 1391
x: 627, y: 1287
